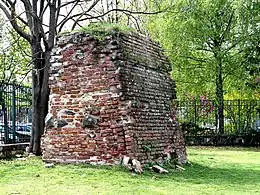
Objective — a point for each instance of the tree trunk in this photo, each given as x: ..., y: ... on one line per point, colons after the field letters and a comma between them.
x: 40, y: 96
x: 220, y: 97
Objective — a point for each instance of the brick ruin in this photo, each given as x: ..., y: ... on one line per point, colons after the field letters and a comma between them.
x: 110, y: 98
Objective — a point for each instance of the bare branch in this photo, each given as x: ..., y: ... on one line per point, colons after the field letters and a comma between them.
x: 28, y: 8
x: 43, y: 9
x: 68, y: 17
x: 68, y: 3
x: 65, y: 19
x: 58, y: 12
x: 13, y: 22
x: 121, y: 10
x: 52, y: 24
x: 228, y: 27
x: 79, y: 17
x: 27, y: 72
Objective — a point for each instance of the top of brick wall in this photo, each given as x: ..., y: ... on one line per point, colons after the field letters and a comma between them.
x: 135, y: 47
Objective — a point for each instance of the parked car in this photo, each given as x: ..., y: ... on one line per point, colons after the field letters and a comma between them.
x: 22, y: 132
x: 24, y: 129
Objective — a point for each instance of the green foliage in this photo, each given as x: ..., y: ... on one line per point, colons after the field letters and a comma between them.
x: 100, y: 30
x: 14, y: 57
x: 204, y: 37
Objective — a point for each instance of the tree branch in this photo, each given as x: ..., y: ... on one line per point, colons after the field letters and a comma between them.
x: 104, y: 14
x: 195, y: 59
x: 28, y: 8
x: 62, y: 22
x: 67, y: 17
x: 13, y: 22
x: 52, y: 24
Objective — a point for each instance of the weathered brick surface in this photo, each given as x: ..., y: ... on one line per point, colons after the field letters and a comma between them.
x: 120, y: 84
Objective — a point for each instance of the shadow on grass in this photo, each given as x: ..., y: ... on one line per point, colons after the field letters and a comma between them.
x: 198, y: 173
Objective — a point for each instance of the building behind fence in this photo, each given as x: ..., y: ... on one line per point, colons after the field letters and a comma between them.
x: 198, y: 119
x: 15, y: 113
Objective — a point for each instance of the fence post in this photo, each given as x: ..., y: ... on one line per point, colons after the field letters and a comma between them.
x: 239, y: 117
x: 13, y: 112
x: 3, y: 100
x: 195, y: 112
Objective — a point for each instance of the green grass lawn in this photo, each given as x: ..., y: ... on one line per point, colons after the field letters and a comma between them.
x: 213, y: 171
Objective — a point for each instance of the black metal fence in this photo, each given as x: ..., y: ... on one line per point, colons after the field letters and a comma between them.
x: 198, y: 119
x: 15, y: 113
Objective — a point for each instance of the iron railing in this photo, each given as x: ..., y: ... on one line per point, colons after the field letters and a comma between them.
x: 15, y: 113
x: 198, y: 118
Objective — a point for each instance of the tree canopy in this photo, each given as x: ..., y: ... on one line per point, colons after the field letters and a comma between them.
x: 205, y: 38
x: 14, y: 57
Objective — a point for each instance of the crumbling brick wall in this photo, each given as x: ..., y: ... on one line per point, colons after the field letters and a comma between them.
x: 110, y: 98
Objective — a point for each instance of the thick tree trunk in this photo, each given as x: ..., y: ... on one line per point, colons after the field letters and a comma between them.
x: 40, y: 95
x: 220, y: 97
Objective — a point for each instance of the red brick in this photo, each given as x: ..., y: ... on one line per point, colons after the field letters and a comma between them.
x: 92, y: 86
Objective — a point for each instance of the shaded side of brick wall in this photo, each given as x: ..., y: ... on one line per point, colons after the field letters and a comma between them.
x: 148, y: 86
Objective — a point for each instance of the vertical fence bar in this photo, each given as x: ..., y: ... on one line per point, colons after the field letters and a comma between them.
x: 215, y: 116
x: 5, y: 125
x: 195, y: 112
x: 238, y: 116
x: 5, y: 111
x: 13, y: 112
x: 15, y: 105
x: 1, y: 115
x: 242, y: 118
